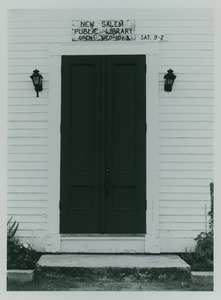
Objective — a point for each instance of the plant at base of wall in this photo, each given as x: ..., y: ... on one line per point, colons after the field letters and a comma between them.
x: 202, y: 258
x: 19, y: 256
x: 204, y: 246
x: 211, y: 212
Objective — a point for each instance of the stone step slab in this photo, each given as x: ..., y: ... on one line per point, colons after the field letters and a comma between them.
x: 20, y: 275
x: 116, y: 265
x: 202, y: 274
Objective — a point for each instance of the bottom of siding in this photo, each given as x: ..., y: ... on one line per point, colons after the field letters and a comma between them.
x: 176, y: 245
x: 37, y: 243
x: 111, y: 244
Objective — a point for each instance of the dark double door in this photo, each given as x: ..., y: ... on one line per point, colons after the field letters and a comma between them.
x: 103, y: 138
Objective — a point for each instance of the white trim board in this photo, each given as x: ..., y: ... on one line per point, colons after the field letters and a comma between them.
x: 150, y: 244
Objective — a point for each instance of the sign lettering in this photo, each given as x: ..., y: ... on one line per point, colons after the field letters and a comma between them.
x: 110, y: 30
x: 107, y: 30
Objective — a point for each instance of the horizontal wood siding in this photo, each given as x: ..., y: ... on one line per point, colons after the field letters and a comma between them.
x: 186, y: 133
x: 185, y: 115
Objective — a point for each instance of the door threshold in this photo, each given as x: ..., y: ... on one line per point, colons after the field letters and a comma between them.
x: 102, y: 243
x: 102, y: 235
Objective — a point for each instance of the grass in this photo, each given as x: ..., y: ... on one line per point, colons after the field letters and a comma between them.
x: 53, y: 281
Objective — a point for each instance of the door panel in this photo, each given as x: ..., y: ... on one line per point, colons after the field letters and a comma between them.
x: 123, y: 115
x: 80, y: 144
x: 83, y: 116
x: 125, y: 146
x: 103, y: 175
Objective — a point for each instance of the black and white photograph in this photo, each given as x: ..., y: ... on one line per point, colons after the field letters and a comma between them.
x: 110, y: 132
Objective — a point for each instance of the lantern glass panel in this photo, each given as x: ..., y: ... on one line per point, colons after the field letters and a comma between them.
x: 169, y: 81
x: 36, y: 80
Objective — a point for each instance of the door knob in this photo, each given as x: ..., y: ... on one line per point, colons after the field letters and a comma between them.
x: 107, y: 170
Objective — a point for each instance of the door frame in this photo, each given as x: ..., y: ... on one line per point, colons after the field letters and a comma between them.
x: 151, y: 50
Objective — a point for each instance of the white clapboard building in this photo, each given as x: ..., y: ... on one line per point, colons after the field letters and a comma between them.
x: 105, y: 159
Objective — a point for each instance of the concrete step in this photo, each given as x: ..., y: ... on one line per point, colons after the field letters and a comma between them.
x: 116, y: 265
x: 201, y: 274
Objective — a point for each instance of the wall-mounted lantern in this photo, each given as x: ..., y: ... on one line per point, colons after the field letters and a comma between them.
x: 37, y: 81
x: 169, y: 79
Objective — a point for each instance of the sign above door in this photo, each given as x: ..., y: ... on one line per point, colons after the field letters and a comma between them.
x: 110, y: 30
